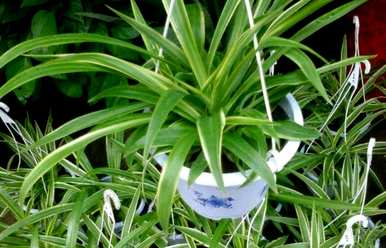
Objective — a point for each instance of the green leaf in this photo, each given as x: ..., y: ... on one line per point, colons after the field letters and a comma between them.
x: 61, y: 39
x: 183, y: 30
x: 60, y: 153
x: 164, y: 106
x: 89, y: 120
x: 139, y: 18
x: 170, y: 176
x: 304, y: 223
x: 7, y: 201
x: 135, y: 233
x: 326, y: 19
x: 309, y: 70
x: 170, y: 49
x: 197, y: 20
x: 75, y: 218
x: 210, y: 131
x: 130, y: 214
x: 71, y: 88
x: 315, y: 232
x: 150, y: 240
x: 308, y: 201
x: 31, y: 219
x: 198, y: 166
x: 43, y: 23
x: 45, y: 69
x: 123, y: 32
x: 252, y: 158
x: 20, y: 64
x: 226, y: 16
x: 293, y: 131
x: 195, y: 234
x: 29, y: 3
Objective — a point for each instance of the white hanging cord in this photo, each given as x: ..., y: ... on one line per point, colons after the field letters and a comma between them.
x: 260, y: 67
x: 348, y: 236
x: 235, y: 230
x: 272, y: 68
x: 12, y: 127
x: 165, y: 32
x: 347, y: 239
x: 108, y: 197
x: 351, y: 83
x: 253, y: 220
x: 272, y: 158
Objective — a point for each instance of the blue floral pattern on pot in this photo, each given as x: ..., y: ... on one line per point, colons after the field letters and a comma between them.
x: 214, y: 201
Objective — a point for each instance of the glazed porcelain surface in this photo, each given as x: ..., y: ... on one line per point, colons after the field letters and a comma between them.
x: 204, y: 197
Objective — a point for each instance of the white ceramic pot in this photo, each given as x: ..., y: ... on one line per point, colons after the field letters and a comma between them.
x: 204, y: 197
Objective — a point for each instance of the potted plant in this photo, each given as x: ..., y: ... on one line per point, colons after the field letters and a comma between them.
x: 204, y: 105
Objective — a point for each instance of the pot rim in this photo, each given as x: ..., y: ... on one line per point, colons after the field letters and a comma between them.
x: 236, y: 179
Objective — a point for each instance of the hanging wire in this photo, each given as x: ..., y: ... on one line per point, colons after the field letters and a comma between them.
x: 260, y: 68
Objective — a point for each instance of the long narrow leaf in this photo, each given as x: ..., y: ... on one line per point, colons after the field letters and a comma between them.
x: 54, y: 157
x: 210, y: 131
x: 164, y: 106
x: 252, y: 158
x: 170, y: 176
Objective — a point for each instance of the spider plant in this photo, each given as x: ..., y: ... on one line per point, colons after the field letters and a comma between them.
x: 204, y: 94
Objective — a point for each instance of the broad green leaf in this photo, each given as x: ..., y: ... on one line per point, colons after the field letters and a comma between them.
x: 20, y: 64
x: 308, y: 68
x: 130, y: 214
x: 164, y: 106
x: 43, y: 23
x: 170, y: 176
x: 31, y: 219
x: 60, y: 153
x: 74, y: 222
x: 71, y: 88
x: 252, y: 158
x: 210, y: 130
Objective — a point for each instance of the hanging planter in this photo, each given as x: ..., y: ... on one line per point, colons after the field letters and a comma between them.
x: 208, y: 200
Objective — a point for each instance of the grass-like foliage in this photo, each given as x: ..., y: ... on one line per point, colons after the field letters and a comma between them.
x: 207, y: 90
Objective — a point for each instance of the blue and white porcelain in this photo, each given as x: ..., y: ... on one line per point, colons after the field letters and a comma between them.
x: 204, y: 197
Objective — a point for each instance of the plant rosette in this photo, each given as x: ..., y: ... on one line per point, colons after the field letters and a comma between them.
x: 237, y: 199
x: 206, y: 89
